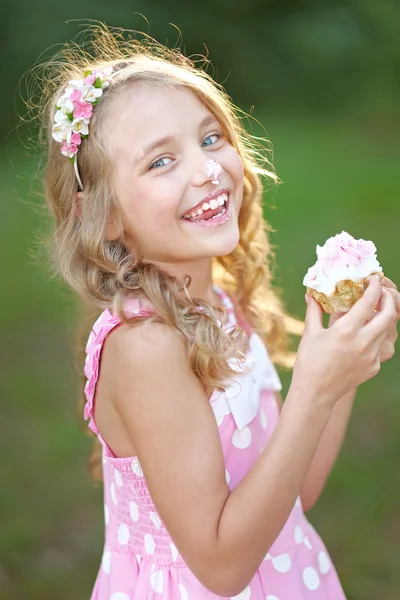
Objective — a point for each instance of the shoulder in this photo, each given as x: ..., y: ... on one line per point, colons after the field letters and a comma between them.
x: 139, y: 346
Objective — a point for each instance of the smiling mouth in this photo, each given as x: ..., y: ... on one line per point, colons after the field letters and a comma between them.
x: 216, y: 207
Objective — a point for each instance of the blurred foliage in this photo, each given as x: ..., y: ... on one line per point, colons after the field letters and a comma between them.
x: 324, y: 80
x: 309, y: 55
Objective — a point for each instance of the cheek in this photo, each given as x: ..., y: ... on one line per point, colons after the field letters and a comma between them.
x: 156, y: 202
x: 237, y: 169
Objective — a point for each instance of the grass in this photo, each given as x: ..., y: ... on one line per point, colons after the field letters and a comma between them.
x: 337, y: 175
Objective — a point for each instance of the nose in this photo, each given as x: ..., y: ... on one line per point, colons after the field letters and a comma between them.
x: 207, y: 170
x: 213, y: 169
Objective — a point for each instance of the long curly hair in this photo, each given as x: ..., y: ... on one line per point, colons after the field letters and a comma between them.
x: 102, y: 273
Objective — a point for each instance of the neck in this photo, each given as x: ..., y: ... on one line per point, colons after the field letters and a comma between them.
x: 201, y: 285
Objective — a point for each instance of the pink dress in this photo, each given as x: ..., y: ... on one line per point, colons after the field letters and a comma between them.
x: 140, y: 560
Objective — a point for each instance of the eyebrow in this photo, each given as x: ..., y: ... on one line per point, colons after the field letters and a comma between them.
x: 169, y: 138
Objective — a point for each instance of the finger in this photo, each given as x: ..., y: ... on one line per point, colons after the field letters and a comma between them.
x: 386, y: 282
x: 362, y: 309
x: 314, y: 313
x: 384, y: 318
x: 396, y: 296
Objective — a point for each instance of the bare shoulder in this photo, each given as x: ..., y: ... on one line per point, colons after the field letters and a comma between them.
x: 145, y: 342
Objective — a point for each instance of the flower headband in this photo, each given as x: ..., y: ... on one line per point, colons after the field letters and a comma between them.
x: 74, y: 110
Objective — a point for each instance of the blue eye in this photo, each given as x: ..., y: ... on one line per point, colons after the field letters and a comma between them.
x: 157, y: 165
x: 217, y: 135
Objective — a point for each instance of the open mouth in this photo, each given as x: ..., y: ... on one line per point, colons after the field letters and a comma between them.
x: 208, y: 211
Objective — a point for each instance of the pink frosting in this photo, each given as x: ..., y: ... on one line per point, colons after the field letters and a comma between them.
x: 341, y: 257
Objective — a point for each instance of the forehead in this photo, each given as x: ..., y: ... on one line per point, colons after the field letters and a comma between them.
x: 146, y: 112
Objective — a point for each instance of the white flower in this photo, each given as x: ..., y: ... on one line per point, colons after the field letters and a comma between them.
x: 75, y: 84
x: 92, y: 93
x: 62, y: 131
x: 80, y: 126
x: 65, y: 105
x: 61, y: 117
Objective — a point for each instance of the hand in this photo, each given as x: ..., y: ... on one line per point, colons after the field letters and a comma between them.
x: 330, y: 362
x: 387, y: 348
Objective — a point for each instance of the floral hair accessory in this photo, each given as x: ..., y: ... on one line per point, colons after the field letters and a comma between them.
x: 74, y: 110
x: 214, y: 170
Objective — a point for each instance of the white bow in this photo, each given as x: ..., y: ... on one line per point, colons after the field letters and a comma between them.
x: 242, y: 396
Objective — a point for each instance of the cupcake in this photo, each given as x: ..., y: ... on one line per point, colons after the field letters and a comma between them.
x: 340, y: 275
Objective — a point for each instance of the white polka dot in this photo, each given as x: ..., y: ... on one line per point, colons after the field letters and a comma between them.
x: 323, y: 562
x: 282, y: 563
x: 298, y: 502
x: 241, y: 438
x: 298, y: 534
x: 263, y: 419
x: 106, y: 514
x: 123, y: 534
x: 267, y: 556
x: 183, y: 592
x: 219, y: 419
x: 156, y: 520
x: 157, y: 581
x: 113, y: 495
x: 136, y: 468
x: 149, y: 543
x: 174, y: 551
x: 106, y: 561
x: 310, y: 578
x: 245, y: 595
x: 138, y: 558
x: 308, y: 543
x: 134, y: 511
x: 272, y: 597
x: 118, y: 478
x: 119, y: 596
x: 227, y: 477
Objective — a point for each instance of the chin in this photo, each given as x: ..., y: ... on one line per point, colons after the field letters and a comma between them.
x: 226, y: 245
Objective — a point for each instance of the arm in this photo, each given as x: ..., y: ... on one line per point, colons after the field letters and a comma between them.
x: 334, y: 434
x: 327, y: 451
x: 170, y: 421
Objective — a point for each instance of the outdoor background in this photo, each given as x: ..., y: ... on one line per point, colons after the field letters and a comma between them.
x: 323, y: 78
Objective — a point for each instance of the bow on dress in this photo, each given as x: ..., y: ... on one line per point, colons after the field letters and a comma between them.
x: 242, y: 395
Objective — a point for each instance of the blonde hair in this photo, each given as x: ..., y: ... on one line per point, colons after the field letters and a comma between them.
x: 101, y: 272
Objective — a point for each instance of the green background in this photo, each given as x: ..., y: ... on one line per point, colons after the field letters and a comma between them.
x: 324, y: 81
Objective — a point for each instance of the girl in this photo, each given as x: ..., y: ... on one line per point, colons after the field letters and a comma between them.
x: 155, y: 190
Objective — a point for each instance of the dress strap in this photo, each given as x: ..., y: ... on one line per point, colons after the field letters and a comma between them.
x: 102, y: 327
x: 228, y: 304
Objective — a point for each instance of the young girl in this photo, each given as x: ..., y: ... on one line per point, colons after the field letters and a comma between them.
x: 155, y: 190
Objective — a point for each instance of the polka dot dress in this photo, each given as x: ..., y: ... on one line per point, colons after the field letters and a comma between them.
x: 140, y: 560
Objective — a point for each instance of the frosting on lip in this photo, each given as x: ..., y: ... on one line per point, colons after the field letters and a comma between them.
x: 341, y: 257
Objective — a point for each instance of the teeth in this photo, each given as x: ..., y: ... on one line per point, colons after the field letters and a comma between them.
x: 212, y: 205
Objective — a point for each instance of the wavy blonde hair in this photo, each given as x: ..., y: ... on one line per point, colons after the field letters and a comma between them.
x: 103, y: 273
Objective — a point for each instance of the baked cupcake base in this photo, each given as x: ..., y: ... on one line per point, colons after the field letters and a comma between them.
x: 346, y: 294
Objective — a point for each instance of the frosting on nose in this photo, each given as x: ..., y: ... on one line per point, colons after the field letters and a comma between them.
x: 213, y: 169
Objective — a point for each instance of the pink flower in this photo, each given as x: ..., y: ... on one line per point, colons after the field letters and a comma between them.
x: 76, y: 139
x: 90, y: 79
x: 69, y: 149
x: 83, y: 110
x: 76, y: 96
